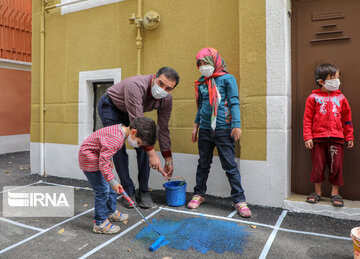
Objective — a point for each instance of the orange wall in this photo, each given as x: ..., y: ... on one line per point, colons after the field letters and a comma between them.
x: 15, y: 29
x: 15, y: 90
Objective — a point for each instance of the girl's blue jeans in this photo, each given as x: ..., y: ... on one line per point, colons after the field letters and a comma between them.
x: 225, y: 144
x: 105, y: 197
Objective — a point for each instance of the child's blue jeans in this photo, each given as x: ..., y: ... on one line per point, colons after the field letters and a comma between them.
x: 105, y: 197
x: 110, y: 115
x: 225, y: 145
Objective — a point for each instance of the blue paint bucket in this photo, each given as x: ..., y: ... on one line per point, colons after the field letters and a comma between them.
x: 175, y: 192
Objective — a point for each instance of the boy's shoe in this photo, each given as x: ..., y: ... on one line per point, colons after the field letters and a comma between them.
x: 195, y: 201
x: 126, y: 204
x: 118, y: 216
x: 243, y: 209
x: 106, y: 228
x: 145, y: 200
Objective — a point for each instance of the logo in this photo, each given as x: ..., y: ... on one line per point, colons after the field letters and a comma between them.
x: 38, y: 201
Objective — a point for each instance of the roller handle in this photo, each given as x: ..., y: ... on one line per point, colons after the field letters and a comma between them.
x: 126, y: 196
x: 164, y: 174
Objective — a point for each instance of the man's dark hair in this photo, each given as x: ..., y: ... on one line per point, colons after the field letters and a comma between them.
x: 146, y: 130
x: 324, y: 70
x: 169, y: 73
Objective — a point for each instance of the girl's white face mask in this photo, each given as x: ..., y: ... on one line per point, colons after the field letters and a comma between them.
x: 132, y: 142
x: 157, y: 92
x: 332, y: 84
x: 206, y: 70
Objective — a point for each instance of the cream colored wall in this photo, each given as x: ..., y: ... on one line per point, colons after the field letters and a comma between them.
x: 102, y: 38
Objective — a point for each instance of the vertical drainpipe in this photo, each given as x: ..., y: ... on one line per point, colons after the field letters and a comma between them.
x: 138, y: 37
x: 42, y: 86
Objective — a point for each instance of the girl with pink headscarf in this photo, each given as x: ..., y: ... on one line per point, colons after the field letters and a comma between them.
x: 217, y: 124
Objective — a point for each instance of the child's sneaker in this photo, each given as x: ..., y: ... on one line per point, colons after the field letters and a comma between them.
x: 106, y: 228
x: 195, y: 201
x: 243, y: 209
x: 118, y: 216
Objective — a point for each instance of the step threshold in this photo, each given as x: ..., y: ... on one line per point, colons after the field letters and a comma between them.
x: 297, y: 203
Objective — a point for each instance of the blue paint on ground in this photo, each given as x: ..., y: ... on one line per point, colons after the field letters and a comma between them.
x: 200, y: 234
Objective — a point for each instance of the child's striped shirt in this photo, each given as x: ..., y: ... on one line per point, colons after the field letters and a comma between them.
x: 97, y: 150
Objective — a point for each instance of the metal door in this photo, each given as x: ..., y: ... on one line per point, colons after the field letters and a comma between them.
x: 325, y: 31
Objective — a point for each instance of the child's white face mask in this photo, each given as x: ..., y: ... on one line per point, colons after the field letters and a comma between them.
x: 206, y: 70
x: 132, y: 142
x: 332, y: 84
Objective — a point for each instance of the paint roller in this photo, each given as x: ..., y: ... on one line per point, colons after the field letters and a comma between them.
x: 159, y: 242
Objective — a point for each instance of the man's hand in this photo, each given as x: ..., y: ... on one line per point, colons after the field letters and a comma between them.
x: 118, y: 188
x: 309, y: 144
x: 236, y: 133
x: 350, y: 144
x: 194, y: 135
x: 154, y: 160
x: 169, y: 166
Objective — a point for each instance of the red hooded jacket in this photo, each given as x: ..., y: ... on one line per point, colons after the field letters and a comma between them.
x: 327, y: 114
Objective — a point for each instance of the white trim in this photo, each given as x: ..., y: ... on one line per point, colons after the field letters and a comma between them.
x: 15, y: 64
x: 86, y: 97
x: 82, y: 5
x: 272, y: 176
x: 70, y: 186
x: 14, y: 143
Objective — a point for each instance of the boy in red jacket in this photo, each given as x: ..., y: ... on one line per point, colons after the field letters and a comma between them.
x: 327, y: 123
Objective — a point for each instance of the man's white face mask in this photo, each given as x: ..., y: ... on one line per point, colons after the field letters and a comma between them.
x: 206, y: 70
x: 332, y: 84
x: 157, y: 92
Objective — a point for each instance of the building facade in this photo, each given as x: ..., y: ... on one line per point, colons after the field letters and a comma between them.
x: 15, y: 75
x: 87, y: 45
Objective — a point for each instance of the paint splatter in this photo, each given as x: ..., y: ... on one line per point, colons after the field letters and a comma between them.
x: 200, y: 234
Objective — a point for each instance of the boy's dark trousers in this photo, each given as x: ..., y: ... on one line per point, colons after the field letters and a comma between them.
x: 327, y: 151
x: 111, y: 115
x: 225, y: 145
x: 105, y: 197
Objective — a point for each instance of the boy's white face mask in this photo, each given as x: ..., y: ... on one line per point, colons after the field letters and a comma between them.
x: 132, y: 142
x: 206, y: 70
x: 332, y: 84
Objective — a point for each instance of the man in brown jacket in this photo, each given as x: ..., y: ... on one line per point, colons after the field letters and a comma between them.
x: 129, y: 99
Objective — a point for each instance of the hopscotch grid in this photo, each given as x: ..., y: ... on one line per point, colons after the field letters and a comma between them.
x: 70, y: 186
x: 94, y: 250
x: 44, y: 231
x: 20, y: 187
x: 228, y: 218
x: 21, y: 224
x: 272, y: 236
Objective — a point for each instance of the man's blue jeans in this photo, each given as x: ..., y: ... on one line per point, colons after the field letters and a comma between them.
x: 105, y: 197
x: 225, y: 145
x: 111, y: 115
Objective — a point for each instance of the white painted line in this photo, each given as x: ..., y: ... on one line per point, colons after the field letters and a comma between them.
x: 22, y: 186
x: 42, y: 232
x: 70, y: 186
x: 218, y: 217
x: 20, y: 224
x: 272, y: 235
x: 232, y: 214
x: 314, y: 234
x: 118, y: 236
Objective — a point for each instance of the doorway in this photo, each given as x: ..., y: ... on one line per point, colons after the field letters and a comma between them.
x: 325, y: 31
